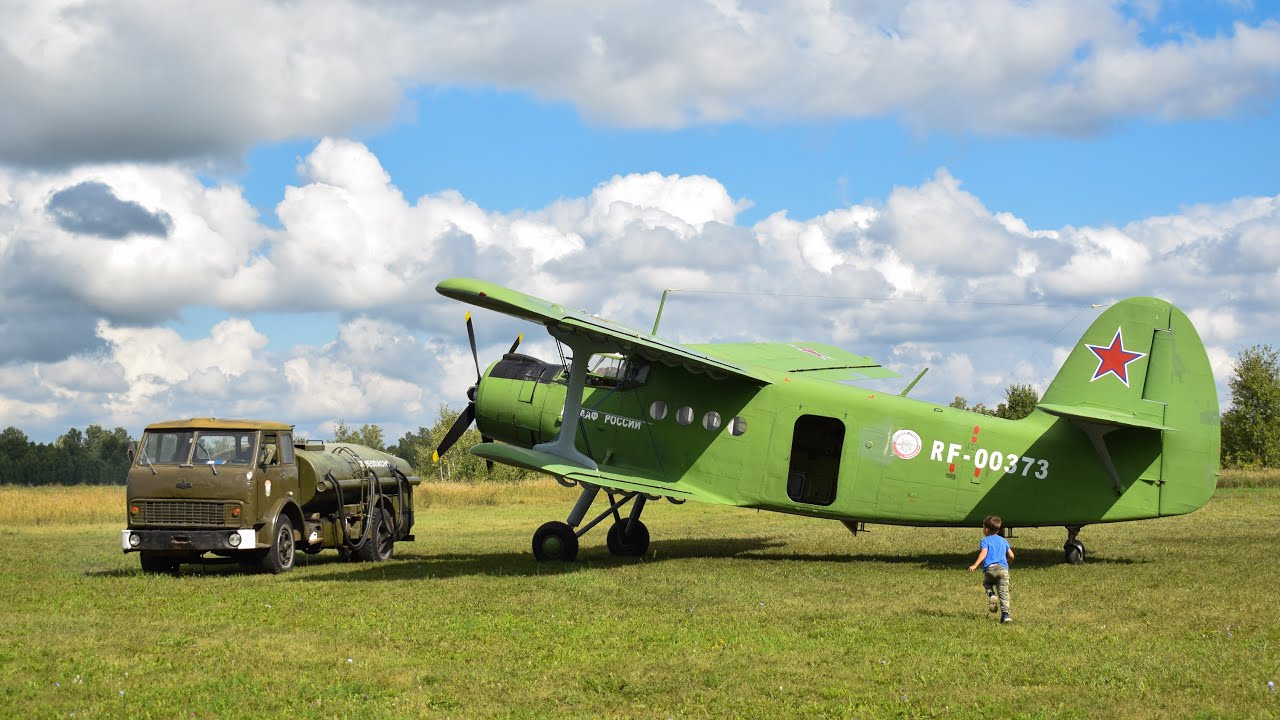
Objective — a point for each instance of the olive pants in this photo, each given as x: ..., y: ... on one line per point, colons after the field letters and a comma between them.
x: 996, y: 579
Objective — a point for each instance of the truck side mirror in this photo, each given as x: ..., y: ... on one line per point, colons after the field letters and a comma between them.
x: 133, y: 450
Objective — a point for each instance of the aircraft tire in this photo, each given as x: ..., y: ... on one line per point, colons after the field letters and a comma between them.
x: 632, y: 544
x: 1074, y: 551
x: 555, y: 541
x: 279, y: 557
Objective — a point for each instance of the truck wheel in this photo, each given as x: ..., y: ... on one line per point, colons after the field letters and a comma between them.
x: 279, y: 557
x: 152, y: 563
x: 382, y: 544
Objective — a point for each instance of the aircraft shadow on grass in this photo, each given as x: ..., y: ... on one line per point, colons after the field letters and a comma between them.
x: 523, y: 564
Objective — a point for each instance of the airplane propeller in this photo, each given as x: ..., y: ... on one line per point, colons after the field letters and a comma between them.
x: 468, y: 415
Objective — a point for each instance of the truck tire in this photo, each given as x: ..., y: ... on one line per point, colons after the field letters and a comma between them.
x: 153, y: 564
x: 382, y: 544
x: 279, y: 557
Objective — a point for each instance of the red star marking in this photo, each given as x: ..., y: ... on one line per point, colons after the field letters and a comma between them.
x: 1114, y: 359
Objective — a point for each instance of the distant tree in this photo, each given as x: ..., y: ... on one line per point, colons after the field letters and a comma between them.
x: 409, y: 444
x: 961, y: 404
x: 458, y: 465
x: 13, y: 443
x: 371, y: 436
x: 1019, y: 402
x: 342, y: 433
x: 367, y: 435
x: 1251, y: 426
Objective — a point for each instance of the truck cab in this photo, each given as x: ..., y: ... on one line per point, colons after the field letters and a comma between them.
x: 242, y: 490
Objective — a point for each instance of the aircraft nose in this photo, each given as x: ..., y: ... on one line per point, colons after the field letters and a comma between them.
x: 471, y: 393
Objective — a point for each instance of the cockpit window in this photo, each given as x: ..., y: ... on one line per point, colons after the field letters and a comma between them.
x: 616, y: 371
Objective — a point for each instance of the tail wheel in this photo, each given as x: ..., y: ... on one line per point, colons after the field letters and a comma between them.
x: 279, y: 557
x: 382, y: 543
x: 555, y: 541
x: 628, y: 544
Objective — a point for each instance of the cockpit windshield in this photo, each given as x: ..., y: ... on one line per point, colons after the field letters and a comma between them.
x: 200, y: 447
x: 609, y: 370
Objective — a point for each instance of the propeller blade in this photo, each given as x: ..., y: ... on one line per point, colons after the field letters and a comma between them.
x: 459, y: 426
x: 516, y: 344
x: 488, y: 464
x: 475, y: 355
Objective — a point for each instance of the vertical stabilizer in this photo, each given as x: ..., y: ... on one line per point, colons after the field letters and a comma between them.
x: 1141, y: 368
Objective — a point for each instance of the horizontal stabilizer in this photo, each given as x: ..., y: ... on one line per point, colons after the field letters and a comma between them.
x: 1102, y: 415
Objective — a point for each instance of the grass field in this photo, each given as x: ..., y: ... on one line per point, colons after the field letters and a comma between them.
x: 732, y: 614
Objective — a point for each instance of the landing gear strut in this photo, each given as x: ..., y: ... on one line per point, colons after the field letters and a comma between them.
x: 628, y: 537
x: 1073, y: 549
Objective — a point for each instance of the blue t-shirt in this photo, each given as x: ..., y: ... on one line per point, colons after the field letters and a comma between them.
x: 997, y: 549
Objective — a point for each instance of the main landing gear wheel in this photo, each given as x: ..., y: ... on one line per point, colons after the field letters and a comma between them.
x: 1074, y: 551
x: 555, y: 541
x: 628, y: 544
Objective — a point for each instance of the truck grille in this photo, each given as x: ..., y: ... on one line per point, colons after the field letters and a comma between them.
x: 185, y: 512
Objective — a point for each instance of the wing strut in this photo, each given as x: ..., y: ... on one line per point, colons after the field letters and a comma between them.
x: 563, y: 446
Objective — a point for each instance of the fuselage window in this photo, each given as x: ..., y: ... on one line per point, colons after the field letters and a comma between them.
x: 711, y: 420
x: 658, y: 410
x: 737, y: 426
x: 684, y: 415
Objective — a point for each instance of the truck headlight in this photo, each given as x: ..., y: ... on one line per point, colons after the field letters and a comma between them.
x: 234, y: 539
x: 135, y: 539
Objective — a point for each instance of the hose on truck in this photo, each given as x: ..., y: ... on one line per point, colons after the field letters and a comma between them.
x: 375, y: 492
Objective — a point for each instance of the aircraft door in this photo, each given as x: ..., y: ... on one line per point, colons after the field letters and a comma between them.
x: 813, y: 471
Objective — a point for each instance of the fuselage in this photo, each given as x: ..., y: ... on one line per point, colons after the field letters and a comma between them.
x: 824, y: 449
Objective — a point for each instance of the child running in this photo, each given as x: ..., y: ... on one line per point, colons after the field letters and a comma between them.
x: 994, y: 557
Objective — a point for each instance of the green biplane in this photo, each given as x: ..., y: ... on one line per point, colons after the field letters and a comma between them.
x: 1128, y: 430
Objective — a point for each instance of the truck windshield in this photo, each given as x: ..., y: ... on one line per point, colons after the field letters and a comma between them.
x: 223, y: 447
x: 167, y: 447
x: 203, y: 447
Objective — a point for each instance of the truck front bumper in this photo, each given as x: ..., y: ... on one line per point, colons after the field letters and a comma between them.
x: 192, y: 540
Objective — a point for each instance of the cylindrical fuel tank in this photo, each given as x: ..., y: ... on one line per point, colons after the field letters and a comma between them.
x: 347, y: 464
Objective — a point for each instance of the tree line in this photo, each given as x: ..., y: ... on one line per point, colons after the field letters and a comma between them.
x: 96, y: 456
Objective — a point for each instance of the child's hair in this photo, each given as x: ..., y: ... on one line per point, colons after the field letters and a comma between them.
x: 992, y: 523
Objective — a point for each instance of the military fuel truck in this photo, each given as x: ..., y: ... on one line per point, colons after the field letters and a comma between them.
x: 210, y: 490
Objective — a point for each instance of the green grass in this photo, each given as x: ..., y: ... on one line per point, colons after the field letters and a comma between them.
x: 732, y: 614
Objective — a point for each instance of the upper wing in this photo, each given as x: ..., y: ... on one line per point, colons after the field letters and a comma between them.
x: 759, y: 363
x: 622, y: 338
x: 811, y: 359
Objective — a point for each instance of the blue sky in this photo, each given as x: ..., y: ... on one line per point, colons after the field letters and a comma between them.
x: 315, y: 170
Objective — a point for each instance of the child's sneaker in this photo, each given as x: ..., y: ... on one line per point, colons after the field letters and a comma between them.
x: 993, y: 602
x: 1005, y: 619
